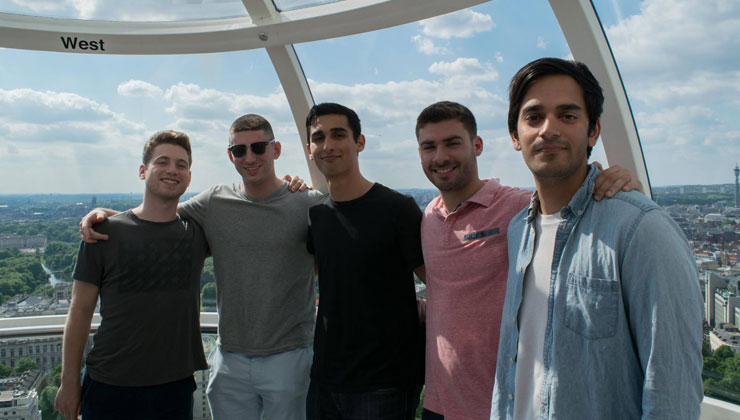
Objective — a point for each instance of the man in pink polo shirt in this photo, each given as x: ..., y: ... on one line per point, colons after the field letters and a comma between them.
x: 463, y: 235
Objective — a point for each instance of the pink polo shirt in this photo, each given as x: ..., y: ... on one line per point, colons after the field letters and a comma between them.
x: 466, y: 266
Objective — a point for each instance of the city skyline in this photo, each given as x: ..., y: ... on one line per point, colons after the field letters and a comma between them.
x: 75, y: 123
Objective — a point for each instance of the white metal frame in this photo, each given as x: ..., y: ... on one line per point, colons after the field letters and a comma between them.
x: 275, y: 31
x: 588, y: 43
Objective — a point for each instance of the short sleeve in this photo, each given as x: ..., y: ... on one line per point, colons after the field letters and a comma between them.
x: 89, y: 265
x: 407, y: 226
x: 196, y: 208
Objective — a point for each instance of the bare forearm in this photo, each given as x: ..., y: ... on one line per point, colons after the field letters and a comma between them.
x: 76, y: 333
x: 108, y: 212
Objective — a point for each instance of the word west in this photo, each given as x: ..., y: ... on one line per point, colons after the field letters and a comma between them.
x: 73, y: 43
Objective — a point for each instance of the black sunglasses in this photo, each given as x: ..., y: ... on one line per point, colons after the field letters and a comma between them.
x: 258, y: 148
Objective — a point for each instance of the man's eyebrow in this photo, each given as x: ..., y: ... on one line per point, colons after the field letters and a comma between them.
x: 569, y: 107
x: 561, y: 107
x: 338, y: 129
x: 532, y: 108
x: 444, y: 140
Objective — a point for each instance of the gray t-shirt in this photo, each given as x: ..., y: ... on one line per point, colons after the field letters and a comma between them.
x: 264, y: 275
x: 149, y: 279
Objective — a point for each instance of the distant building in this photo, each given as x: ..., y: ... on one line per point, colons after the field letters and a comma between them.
x: 727, y: 336
x: 22, y: 241
x: 712, y: 282
x: 19, y: 396
x: 46, y: 350
x: 737, y: 187
x: 713, y: 218
x: 725, y: 304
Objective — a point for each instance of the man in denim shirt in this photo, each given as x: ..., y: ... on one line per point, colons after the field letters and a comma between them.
x: 602, y: 316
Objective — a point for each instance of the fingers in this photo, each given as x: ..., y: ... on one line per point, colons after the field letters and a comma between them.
x: 611, y: 181
x: 87, y: 233
x: 421, y: 308
x: 297, y: 184
x: 69, y: 411
x: 90, y: 236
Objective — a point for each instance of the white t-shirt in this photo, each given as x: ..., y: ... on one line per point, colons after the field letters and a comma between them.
x: 533, y: 319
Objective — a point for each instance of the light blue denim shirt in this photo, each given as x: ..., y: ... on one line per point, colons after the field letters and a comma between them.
x: 624, y: 313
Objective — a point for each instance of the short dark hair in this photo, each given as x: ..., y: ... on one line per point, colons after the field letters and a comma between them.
x: 446, y: 110
x: 330, y: 108
x: 251, y: 122
x: 593, y: 95
x: 166, y: 137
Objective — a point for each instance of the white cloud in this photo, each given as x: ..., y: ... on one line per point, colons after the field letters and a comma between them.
x: 39, y: 5
x: 427, y: 46
x: 697, y: 86
x: 460, y: 24
x: 680, y: 69
x: 499, y: 57
x: 617, y: 10
x: 139, y: 88
x: 541, y: 43
x: 671, y: 33
x: 37, y: 107
x: 468, y: 68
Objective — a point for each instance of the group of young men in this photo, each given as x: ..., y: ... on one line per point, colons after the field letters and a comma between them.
x: 578, y: 307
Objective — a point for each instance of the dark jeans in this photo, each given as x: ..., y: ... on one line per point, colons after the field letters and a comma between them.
x: 382, y: 404
x: 170, y: 401
x: 431, y: 415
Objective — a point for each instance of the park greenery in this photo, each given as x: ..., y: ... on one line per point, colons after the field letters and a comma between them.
x: 722, y: 374
x: 22, y: 273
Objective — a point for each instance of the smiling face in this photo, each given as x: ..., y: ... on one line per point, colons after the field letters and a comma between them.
x: 255, y: 169
x: 448, y: 155
x: 332, y: 146
x: 552, y: 130
x: 167, y: 174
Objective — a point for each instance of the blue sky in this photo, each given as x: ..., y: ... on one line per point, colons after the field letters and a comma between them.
x: 76, y: 123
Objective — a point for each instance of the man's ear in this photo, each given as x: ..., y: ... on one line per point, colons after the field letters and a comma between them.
x: 360, y: 143
x: 231, y: 157
x: 515, y: 141
x: 142, y: 171
x: 308, y: 150
x: 278, y: 148
x: 478, y: 145
x: 593, y: 136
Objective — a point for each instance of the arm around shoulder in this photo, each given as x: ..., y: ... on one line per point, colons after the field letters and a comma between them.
x: 95, y: 216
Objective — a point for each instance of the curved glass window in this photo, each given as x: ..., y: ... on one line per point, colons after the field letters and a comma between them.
x: 74, y: 123
x: 128, y: 11
x: 284, y: 5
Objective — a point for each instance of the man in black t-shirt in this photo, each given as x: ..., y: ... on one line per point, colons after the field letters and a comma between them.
x: 367, y: 245
x: 148, y: 278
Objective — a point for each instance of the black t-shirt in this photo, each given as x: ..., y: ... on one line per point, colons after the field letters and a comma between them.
x: 367, y: 329
x: 149, y: 279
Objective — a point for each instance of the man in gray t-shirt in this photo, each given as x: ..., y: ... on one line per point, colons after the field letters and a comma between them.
x: 257, y: 233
